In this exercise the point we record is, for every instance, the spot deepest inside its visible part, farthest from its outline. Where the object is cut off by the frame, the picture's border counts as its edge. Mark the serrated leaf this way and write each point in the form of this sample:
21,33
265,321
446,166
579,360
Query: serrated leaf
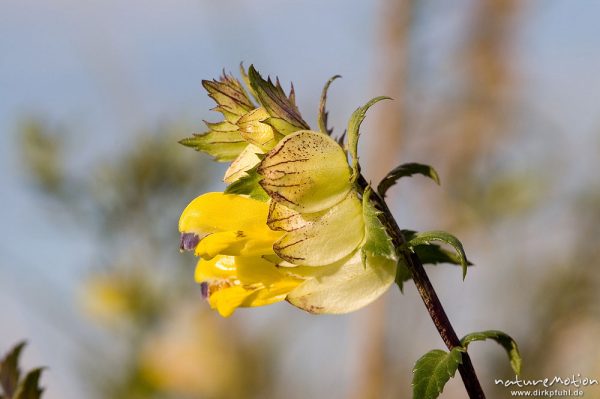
406,170
9,370
353,131
229,94
274,100
377,241
249,185
433,253
402,273
322,111
433,370
428,254
505,340
29,388
426,238
223,145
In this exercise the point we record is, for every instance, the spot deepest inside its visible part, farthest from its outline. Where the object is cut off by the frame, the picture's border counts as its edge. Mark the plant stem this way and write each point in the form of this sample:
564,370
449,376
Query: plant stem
428,294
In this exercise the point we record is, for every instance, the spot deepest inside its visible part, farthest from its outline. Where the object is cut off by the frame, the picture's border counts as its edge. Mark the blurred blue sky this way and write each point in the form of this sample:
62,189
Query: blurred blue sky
111,68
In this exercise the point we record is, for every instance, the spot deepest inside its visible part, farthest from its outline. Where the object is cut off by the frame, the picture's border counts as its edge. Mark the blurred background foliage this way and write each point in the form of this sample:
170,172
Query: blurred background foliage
501,96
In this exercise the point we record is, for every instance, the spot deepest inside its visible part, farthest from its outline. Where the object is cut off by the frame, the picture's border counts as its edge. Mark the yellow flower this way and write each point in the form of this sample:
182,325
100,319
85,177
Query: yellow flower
303,245
218,223
296,227
230,233
229,282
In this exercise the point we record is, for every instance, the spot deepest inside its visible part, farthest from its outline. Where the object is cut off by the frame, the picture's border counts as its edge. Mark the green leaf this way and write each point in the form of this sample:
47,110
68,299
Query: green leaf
9,370
29,387
249,185
509,345
433,370
353,131
429,254
377,240
425,238
433,253
406,170
322,111
274,100
402,273
224,145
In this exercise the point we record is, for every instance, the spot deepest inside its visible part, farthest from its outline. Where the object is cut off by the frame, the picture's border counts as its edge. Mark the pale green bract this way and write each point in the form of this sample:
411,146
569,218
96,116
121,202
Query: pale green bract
247,159
306,171
320,238
344,286
223,141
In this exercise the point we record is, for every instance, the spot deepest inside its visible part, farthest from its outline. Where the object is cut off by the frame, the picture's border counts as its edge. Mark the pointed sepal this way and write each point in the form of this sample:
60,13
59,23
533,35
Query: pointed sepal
223,142
322,107
280,106
230,96
353,132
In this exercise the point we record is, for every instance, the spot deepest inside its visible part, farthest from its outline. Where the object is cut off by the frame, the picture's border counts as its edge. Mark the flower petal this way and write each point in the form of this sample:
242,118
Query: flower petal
229,224
306,171
243,282
342,287
233,243
321,238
